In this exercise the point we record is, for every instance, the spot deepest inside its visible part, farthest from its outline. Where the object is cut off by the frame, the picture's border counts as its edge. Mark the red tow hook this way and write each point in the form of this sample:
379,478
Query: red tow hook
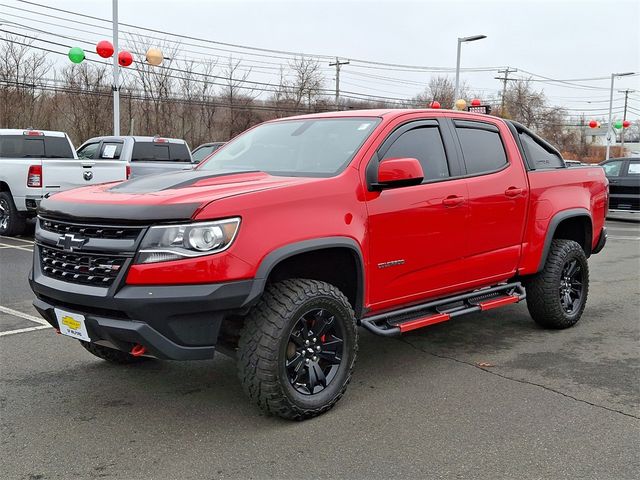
138,350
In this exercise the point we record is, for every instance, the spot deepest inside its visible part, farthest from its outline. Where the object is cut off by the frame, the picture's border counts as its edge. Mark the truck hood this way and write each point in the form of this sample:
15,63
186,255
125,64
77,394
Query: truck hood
169,196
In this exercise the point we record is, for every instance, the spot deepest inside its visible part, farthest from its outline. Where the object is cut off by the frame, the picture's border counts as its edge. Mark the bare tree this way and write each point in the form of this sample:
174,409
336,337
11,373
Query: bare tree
22,76
237,98
306,85
441,89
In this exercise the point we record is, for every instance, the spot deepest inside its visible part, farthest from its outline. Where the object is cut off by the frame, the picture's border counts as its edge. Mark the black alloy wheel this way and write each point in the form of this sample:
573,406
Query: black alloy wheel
314,352
571,286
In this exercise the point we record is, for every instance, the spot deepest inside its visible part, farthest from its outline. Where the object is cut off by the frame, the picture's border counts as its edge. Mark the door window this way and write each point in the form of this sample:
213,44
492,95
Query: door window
634,167
111,150
425,145
612,169
482,148
89,151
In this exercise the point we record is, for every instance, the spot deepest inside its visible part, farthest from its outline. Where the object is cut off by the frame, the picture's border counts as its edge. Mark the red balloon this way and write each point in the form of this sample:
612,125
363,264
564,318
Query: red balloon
476,102
125,58
104,48
434,104
593,124
626,124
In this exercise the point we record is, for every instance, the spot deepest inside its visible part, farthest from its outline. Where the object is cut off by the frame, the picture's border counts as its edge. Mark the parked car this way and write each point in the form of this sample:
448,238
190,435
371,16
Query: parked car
144,155
301,229
204,150
624,184
35,163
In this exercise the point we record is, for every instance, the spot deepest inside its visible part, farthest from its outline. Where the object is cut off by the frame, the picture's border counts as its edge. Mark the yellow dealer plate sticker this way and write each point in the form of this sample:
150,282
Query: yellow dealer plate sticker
72,325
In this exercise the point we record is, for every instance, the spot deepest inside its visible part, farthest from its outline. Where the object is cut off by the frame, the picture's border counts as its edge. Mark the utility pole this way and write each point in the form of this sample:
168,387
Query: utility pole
504,80
338,64
116,71
624,115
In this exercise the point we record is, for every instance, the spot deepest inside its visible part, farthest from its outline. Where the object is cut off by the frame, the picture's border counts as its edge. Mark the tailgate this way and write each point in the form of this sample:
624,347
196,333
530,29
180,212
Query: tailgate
62,174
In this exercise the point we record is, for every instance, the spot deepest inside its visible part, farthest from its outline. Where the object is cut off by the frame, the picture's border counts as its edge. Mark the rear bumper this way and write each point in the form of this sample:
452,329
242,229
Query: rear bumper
173,322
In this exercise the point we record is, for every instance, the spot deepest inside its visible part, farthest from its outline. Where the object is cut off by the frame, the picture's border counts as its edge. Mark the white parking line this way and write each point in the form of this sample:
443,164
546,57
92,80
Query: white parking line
24,330
616,237
30,242
16,247
26,316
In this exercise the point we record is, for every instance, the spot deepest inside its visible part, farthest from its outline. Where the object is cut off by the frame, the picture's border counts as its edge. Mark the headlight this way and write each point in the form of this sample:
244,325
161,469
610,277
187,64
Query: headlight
173,242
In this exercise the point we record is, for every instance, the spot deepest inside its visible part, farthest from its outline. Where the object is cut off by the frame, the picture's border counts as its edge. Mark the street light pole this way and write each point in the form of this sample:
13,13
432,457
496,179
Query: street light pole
116,72
462,40
609,126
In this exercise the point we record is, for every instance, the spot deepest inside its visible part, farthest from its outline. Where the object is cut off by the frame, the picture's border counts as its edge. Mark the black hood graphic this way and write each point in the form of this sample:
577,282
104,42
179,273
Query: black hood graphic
168,181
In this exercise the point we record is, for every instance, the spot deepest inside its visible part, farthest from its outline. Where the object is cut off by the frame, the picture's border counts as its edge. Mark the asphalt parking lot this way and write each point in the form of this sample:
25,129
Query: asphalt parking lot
489,396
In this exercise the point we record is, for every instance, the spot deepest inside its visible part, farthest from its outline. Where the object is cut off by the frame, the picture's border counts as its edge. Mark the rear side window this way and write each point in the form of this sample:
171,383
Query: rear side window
425,145
538,155
481,147
634,167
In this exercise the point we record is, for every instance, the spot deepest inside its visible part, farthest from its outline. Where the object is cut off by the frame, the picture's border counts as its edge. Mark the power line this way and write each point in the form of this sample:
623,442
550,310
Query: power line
258,86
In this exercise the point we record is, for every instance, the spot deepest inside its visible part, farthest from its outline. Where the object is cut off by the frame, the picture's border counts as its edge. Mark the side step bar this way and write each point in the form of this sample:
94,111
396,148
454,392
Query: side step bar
396,322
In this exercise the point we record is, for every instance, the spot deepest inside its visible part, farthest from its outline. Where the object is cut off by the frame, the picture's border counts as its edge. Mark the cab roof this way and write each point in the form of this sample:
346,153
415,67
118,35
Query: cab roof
379,113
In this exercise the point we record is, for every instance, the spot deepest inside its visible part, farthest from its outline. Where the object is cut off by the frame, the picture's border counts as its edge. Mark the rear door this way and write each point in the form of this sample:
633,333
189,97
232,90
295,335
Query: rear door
498,199
159,156
61,169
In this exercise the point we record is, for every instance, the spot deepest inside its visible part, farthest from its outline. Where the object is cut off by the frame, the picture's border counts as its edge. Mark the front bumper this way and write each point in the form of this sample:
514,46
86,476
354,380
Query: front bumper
173,322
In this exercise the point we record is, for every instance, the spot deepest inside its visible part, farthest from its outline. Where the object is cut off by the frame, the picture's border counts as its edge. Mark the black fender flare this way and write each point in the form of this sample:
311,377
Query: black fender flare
553,226
282,253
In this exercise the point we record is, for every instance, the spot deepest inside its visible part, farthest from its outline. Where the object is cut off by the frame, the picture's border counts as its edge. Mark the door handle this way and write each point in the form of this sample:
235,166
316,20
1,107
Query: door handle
453,201
513,192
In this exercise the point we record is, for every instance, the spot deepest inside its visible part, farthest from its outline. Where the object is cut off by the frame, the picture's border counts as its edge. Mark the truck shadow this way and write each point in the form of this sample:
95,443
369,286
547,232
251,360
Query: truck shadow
179,393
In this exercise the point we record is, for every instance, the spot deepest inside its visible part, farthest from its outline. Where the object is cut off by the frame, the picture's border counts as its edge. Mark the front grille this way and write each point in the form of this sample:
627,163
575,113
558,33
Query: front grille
84,268
90,231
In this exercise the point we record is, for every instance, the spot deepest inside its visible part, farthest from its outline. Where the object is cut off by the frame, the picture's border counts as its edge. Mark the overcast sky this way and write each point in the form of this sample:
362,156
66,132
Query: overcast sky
557,39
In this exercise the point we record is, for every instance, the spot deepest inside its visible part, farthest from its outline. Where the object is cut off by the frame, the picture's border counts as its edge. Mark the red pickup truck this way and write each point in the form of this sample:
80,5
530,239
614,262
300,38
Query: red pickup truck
302,229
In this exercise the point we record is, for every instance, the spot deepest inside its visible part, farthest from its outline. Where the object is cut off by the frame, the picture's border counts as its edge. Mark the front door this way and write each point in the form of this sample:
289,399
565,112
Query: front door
417,233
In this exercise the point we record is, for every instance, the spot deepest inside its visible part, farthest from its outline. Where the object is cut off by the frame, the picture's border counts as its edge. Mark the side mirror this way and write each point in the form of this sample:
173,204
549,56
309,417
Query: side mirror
399,172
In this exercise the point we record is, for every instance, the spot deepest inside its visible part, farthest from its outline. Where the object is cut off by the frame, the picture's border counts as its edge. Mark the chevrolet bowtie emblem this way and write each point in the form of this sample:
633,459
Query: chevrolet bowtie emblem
69,242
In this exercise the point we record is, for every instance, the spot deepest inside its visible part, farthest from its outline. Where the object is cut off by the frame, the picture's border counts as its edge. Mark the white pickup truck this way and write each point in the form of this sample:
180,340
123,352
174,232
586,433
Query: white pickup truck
37,163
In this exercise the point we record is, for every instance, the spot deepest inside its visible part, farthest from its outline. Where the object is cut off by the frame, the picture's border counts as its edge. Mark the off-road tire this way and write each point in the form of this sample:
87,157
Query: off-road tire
543,297
111,354
15,222
262,349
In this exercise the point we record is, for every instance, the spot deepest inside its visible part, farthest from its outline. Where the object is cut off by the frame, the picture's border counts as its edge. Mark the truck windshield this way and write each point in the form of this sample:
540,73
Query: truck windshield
301,148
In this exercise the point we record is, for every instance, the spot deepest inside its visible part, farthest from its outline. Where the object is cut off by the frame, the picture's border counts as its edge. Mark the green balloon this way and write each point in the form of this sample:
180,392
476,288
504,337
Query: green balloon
618,124
76,55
